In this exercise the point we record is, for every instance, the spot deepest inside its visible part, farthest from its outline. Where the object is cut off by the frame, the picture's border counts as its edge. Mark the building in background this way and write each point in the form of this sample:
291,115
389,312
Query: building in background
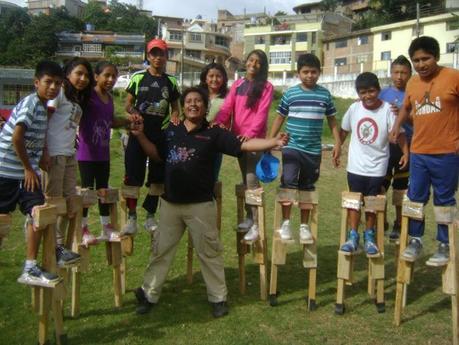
6,6
74,7
15,84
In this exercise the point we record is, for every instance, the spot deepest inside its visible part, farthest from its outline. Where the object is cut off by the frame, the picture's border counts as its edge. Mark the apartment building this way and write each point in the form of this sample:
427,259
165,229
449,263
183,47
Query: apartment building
74,7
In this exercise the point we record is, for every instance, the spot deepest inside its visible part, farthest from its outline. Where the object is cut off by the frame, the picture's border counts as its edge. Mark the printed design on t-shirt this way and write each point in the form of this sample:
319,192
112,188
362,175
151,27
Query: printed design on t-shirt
101,133
427,106
367,131
33,144
179,154
75,117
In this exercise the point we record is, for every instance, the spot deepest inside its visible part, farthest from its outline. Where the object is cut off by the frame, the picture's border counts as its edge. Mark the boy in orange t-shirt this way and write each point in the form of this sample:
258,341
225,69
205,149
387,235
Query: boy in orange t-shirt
432,100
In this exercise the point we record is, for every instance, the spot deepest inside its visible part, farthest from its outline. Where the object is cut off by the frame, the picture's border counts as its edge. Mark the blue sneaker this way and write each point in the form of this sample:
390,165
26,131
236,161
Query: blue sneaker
352,243
369,240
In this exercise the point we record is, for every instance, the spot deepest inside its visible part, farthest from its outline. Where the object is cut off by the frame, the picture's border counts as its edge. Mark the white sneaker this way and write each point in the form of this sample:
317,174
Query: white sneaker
87,238
130,228
150,224
252,234
108,234
305,233
246,224
285,231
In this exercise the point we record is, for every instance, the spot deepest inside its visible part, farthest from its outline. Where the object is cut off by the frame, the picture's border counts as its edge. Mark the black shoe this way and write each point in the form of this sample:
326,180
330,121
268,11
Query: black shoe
65,256
219,309
143,306
395,234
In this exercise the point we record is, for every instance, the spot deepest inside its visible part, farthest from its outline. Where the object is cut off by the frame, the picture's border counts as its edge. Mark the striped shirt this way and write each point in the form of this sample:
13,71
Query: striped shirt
305,111
31,112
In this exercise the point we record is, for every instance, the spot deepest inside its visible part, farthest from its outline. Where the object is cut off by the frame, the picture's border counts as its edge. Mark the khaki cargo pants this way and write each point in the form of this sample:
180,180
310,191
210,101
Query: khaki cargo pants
201,221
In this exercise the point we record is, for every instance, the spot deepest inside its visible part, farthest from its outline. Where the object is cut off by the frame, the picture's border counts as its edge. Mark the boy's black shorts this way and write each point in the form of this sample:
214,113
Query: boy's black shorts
367,185
300,170
398,176
12,193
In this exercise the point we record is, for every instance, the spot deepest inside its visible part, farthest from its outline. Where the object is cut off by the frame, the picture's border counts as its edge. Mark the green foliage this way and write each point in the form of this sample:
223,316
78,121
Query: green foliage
280,13
329,5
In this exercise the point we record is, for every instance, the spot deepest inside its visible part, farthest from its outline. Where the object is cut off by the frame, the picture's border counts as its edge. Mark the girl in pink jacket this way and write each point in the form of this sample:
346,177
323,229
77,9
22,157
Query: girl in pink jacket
246,110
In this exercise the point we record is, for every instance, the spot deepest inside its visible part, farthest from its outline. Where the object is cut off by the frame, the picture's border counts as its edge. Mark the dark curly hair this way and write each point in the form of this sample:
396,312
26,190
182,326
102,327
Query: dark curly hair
219,67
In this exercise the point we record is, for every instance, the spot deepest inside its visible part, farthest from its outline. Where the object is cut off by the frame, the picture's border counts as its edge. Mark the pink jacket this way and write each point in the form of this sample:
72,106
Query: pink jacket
251,123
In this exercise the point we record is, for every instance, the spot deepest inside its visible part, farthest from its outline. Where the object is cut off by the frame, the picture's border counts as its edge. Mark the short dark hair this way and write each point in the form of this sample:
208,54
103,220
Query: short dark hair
203,92
366,80
401,60
47,67
309,60
428,44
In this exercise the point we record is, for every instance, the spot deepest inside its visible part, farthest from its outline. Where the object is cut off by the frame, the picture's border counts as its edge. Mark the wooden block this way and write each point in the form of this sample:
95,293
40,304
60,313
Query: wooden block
156,189
258,252
345,266
59,202
308,197
132,192
108,252
50,285
309,256
127,245
74,205
413,209
445,214
376,268
239,190
43,216
84,261
59,291
116,253
89,196
351,200
375,204
254,197
279,252
449,277
108,195
5,224
287,195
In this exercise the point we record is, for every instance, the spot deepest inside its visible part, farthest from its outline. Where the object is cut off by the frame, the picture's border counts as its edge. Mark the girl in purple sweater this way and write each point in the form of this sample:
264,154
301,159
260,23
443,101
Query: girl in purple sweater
93,152
246,109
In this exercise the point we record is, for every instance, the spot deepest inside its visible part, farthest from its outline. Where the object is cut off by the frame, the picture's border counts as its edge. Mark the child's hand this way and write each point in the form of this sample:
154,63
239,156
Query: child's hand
175,120
394,109
281,140
136,128
403,162
242,138
336,154
393,135
135,117
31,181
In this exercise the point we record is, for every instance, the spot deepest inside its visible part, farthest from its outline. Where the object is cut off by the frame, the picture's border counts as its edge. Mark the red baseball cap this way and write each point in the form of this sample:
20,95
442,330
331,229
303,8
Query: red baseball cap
156,43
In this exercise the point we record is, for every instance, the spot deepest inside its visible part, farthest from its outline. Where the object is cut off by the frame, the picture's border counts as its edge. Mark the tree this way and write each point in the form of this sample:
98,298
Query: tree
329,5
280,13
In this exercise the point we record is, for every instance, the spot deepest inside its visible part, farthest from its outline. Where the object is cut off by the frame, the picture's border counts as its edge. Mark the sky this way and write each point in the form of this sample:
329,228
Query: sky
208,8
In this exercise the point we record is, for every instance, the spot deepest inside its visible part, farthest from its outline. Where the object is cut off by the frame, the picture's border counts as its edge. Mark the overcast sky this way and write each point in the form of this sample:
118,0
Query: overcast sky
208,8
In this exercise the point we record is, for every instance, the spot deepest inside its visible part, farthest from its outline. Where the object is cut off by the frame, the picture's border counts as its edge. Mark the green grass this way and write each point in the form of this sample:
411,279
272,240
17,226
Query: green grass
183,315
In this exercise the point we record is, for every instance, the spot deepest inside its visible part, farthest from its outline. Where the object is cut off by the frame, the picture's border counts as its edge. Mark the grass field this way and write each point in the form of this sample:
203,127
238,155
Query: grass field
183,315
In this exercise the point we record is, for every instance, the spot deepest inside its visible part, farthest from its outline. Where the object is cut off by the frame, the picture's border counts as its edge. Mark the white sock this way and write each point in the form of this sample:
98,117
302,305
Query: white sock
30,263
84,222
104,220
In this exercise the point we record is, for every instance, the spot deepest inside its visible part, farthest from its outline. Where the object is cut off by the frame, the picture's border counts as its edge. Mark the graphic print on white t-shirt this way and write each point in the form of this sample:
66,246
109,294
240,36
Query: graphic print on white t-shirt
367,131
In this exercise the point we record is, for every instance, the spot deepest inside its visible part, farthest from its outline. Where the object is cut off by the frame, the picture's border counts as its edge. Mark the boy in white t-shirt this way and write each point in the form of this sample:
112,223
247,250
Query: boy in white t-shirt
370,121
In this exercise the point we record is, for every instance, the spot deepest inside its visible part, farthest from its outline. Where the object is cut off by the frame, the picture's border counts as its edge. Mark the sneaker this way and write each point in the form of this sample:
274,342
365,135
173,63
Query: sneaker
219,309
369,242
305,233
35,274
143,306
65,256
130,228
285,231
108,233
150,224
352,243
246,224
413,250
441,257
395,234
252,234
87,238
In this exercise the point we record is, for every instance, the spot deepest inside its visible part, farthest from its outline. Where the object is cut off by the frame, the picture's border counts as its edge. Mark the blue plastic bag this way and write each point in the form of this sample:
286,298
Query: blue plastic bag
267,168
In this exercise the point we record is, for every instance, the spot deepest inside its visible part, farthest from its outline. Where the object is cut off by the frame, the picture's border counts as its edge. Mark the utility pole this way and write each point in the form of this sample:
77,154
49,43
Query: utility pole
418,15
182,58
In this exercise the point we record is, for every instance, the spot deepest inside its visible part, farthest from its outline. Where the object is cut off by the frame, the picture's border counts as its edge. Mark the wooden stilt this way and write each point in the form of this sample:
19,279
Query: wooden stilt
242,248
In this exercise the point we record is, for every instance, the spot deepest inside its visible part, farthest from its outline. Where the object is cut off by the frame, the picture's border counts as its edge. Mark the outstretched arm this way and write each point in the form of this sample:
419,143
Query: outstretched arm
256,144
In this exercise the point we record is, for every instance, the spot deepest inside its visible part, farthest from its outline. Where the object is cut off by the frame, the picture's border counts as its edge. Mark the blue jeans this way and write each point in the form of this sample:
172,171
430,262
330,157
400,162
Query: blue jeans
441,171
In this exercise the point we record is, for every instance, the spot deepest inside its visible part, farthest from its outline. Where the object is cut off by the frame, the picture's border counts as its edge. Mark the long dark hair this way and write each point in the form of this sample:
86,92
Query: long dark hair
259,79
72,94
219,67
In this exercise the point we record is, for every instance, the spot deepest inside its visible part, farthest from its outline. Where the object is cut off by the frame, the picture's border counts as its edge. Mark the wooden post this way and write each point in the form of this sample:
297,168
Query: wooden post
242,248
278,254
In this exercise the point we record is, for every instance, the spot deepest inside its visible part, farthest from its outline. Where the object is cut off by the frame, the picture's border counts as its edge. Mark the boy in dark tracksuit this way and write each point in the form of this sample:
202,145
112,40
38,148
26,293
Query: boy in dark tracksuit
153,95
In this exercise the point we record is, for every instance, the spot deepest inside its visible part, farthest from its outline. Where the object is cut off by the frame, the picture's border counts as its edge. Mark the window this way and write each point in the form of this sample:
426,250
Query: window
340,61
195,54
452,25
260,40
386,35
280,58
362,58
92,47
195,37
313,38
280,39
221,41
341,43
361,40
175,35
301,36
452,47
385,55
12,94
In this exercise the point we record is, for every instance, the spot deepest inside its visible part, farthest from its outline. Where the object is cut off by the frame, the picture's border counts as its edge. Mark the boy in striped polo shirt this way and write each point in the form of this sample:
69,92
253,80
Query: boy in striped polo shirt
304,106
22,142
